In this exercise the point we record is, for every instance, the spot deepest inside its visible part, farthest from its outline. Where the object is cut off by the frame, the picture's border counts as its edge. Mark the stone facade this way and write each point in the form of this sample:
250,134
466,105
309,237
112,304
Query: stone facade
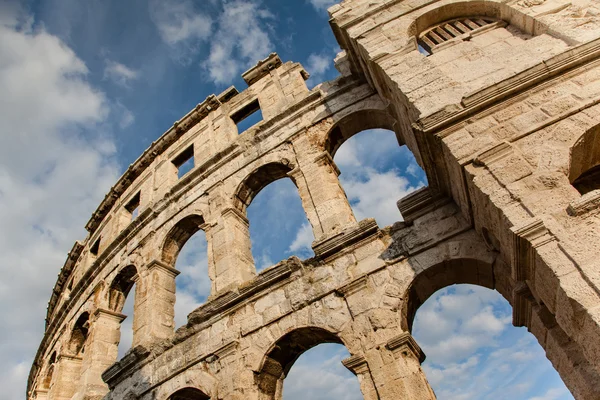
499,103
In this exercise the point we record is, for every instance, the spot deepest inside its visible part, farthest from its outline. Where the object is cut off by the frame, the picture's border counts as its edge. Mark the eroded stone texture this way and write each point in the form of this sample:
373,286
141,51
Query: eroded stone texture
497,100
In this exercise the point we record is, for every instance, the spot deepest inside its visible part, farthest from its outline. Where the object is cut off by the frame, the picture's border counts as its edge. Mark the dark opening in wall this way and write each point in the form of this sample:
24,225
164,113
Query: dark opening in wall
588,181
95,247
133,206
184,161
248,116
454,30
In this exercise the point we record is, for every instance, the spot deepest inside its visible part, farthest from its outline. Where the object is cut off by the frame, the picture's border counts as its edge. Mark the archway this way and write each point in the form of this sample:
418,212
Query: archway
319,374
474,351
185,249
79,335
188,393
120,301
278,223
376,172
282,356
487,275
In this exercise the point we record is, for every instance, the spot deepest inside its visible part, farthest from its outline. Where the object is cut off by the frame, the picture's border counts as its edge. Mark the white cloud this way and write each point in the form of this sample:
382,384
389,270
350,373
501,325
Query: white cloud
303,241
55,166
243,40
374,194
321,5
473,353
120,74
177,21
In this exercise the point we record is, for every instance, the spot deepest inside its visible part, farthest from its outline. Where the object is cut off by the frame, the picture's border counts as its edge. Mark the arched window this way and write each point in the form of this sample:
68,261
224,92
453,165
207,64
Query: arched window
185,249
188,394
474,351
79,335
319,374
454,30
121,298
193,282
47,381
278,224
283,355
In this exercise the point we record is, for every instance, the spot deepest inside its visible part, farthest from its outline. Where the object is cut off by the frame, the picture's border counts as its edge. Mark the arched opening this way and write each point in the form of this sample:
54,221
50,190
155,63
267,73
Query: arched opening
278,224
47,381
376,172
319,374
185,249
192,285
79,335
474,351
465,329
120,301
584,168
188,393
283,355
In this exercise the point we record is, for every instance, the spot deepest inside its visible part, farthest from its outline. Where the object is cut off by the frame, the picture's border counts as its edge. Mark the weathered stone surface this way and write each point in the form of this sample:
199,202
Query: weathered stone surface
502,116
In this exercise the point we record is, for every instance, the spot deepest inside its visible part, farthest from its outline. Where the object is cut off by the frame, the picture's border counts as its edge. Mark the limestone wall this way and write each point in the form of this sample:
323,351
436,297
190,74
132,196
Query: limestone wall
502,116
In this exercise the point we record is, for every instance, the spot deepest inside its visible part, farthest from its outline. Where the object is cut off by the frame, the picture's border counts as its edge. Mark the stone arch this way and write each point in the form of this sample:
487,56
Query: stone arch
282,354
49,372
356,122
188,393
584,161
493,9
120,287
436,277
195,383
178,235
258,179
79,335
578,374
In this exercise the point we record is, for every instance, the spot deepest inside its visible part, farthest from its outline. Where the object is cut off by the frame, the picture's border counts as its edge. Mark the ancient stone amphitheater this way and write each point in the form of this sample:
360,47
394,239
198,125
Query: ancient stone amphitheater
497,100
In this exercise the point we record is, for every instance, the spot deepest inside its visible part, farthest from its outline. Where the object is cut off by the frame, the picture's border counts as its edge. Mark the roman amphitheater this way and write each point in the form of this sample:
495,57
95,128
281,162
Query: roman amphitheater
498,101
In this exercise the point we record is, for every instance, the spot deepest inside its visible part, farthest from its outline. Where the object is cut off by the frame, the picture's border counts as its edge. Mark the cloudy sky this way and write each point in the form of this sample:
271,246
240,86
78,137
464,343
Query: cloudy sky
85,87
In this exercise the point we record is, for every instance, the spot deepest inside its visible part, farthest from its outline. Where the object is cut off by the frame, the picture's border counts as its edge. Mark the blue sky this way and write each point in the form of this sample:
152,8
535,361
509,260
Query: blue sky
85,87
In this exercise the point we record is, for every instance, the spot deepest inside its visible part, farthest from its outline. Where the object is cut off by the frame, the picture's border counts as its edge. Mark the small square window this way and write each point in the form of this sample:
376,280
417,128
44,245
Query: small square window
133,207
95,247
184,161
248,116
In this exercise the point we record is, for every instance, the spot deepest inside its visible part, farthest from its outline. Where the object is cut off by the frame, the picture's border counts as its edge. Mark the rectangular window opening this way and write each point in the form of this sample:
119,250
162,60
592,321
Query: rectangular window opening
133,207
184,161
95,248
248,116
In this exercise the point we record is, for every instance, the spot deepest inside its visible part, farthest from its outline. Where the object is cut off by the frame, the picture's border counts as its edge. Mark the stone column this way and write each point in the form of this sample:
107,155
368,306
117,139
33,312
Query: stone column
230,261
330,202
101,352
358,366
396,370
66,377
154,315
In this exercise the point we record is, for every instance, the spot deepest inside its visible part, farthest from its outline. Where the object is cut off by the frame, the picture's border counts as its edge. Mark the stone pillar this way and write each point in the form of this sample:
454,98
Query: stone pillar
330,202
396,370
230,261
154,315
66,377
358,366
101,352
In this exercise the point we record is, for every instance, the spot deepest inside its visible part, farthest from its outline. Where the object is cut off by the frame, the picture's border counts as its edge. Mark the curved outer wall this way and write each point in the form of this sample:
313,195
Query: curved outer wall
499,117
